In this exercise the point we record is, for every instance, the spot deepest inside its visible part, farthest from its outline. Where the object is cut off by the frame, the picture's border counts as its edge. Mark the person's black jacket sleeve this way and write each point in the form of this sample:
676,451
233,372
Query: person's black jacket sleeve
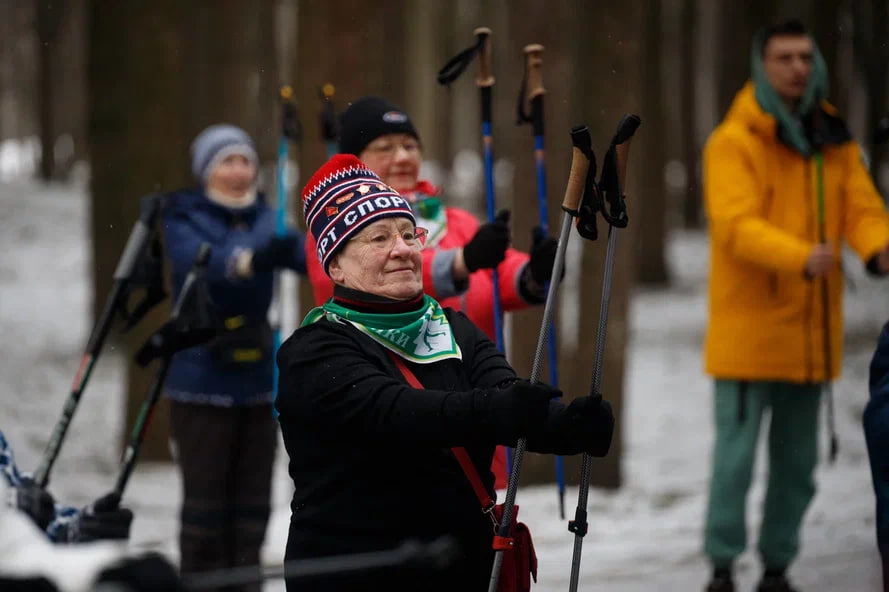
334,376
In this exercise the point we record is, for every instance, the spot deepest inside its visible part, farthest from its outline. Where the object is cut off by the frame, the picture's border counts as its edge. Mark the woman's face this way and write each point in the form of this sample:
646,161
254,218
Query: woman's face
233,177
383,259
395,158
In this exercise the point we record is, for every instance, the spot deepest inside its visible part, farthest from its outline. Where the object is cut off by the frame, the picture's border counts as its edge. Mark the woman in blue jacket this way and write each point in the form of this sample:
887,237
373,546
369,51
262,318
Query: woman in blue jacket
222,393
876,432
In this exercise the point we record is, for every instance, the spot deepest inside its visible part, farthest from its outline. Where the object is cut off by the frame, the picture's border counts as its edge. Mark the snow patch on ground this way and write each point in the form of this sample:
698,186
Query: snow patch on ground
646,536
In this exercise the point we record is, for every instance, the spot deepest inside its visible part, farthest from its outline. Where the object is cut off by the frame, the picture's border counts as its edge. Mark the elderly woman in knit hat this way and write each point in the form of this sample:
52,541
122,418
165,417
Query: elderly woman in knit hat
222,393
460,254
382,388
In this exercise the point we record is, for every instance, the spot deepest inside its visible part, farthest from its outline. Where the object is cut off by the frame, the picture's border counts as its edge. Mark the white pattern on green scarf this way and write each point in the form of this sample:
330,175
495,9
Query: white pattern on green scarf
423,336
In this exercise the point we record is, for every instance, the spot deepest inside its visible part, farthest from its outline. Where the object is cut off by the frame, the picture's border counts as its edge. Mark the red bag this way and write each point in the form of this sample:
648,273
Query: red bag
519,558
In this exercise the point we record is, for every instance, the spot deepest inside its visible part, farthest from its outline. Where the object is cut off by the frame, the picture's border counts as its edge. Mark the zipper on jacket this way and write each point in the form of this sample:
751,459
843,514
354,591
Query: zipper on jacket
808,312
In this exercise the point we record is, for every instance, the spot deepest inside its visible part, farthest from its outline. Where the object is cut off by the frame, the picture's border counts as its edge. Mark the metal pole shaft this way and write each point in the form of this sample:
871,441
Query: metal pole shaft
548,313
586,464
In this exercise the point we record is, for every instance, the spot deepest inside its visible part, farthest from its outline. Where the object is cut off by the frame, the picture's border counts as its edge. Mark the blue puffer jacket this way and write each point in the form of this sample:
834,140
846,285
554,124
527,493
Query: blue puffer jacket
876,432
190,218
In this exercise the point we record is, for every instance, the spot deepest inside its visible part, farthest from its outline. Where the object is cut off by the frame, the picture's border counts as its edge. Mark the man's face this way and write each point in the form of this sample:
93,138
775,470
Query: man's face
787,60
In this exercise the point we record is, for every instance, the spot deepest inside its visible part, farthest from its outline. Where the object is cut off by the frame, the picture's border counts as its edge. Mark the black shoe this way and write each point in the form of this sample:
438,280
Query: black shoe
721,581
771,583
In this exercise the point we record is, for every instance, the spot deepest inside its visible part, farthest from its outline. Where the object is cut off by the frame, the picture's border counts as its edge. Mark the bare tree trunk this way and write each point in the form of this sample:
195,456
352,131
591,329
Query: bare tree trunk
738,22
691,201
610,73
361,54
138,144
650,197
872,56
49,18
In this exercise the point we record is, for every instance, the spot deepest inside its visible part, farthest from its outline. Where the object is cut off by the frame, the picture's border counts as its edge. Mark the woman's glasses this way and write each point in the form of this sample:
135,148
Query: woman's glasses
387,147
384,239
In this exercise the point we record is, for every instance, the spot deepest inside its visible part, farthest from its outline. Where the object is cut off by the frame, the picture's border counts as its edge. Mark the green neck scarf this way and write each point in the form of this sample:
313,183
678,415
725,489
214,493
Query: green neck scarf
790,126
423,336
433,217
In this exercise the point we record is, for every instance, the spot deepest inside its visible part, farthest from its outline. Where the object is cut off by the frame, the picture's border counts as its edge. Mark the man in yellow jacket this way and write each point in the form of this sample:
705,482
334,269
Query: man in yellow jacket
784,185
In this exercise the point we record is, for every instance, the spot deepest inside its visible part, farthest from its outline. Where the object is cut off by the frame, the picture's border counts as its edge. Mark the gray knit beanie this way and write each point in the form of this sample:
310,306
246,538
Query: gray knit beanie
215,144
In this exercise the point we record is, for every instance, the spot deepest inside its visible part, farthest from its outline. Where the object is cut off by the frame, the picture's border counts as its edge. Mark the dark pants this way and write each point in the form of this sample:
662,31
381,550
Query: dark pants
226,456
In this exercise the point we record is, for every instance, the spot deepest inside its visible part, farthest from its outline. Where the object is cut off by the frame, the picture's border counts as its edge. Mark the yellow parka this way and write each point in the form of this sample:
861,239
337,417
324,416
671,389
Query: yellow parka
765,317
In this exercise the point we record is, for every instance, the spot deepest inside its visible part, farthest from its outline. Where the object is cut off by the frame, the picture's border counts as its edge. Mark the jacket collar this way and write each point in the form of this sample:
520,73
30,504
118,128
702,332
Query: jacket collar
829,128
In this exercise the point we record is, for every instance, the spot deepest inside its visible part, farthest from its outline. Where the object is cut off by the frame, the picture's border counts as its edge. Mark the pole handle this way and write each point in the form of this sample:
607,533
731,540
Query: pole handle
534,70
622,140
485,78
580,164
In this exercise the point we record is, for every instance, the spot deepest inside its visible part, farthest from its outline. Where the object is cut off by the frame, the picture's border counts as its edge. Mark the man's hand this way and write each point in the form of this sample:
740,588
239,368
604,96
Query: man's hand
821,260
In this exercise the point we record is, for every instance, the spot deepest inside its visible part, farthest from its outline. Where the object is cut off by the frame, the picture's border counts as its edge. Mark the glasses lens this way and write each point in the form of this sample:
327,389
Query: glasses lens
420,234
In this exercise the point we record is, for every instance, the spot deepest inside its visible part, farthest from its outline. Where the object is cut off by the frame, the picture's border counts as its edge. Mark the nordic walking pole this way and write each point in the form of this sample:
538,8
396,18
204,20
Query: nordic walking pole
485,81
290,132
190,324
329,127
532,91
825,300
612,183
437,555
133,252
580,163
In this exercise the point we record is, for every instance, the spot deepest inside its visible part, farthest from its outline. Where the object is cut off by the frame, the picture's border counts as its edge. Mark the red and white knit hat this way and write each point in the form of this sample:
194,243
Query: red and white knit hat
341,198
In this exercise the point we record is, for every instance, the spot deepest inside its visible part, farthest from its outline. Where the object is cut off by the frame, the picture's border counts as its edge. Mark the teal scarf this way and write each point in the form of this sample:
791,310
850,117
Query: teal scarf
790,124
423,336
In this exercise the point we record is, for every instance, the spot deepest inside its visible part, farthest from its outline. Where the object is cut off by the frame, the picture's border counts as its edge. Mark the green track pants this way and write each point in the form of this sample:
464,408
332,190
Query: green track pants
792,454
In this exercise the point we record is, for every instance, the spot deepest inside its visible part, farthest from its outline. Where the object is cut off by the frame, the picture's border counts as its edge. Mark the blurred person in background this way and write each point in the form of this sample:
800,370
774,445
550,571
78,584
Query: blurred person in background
765,341
876,433
31,521
459,255
222,392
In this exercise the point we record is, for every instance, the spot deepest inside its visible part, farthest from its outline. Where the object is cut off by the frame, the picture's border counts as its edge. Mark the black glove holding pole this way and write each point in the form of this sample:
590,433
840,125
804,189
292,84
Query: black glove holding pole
104,519
36,502
586,425
516,411
487,248
543,256
278,251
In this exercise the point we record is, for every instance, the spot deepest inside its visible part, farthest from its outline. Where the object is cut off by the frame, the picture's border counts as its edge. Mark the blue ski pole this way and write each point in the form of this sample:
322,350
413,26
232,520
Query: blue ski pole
485,82
532,91
290,132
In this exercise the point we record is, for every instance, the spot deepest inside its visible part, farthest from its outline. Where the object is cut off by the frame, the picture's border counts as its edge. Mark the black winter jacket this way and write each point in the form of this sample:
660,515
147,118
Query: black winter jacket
370,456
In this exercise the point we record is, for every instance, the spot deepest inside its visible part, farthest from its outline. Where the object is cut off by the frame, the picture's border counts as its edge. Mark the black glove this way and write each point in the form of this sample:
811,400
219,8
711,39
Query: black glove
516,411
488,247
103,519
543,256
36,502
277,252
148,572
585,425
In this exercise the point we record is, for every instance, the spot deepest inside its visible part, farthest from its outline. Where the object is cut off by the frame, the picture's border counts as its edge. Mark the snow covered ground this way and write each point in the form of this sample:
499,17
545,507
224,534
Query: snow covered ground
644,537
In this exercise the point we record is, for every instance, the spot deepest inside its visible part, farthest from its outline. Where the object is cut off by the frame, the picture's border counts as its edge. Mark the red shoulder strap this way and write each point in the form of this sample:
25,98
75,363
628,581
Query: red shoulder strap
462,456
